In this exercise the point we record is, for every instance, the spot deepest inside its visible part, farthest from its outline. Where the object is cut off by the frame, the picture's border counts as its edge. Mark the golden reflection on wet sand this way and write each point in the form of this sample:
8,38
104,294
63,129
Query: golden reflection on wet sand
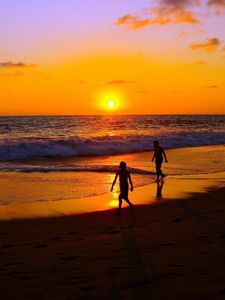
173,188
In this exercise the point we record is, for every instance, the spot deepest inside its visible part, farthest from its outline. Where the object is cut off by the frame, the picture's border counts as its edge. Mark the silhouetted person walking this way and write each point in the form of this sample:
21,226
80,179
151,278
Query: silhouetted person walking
124,177
158,156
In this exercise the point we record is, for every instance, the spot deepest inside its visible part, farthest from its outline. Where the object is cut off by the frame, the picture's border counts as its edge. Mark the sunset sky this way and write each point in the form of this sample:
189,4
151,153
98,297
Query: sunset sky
73,56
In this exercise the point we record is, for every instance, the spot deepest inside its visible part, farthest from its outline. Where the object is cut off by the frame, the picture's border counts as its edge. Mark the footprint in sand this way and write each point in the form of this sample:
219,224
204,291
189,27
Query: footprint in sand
214,211
87,288
73,232
113,232
26,244
98,258
6,246
38,246
117,250
177,220
177,265
168,244
13,264
13,273
68,258
170,275
56,238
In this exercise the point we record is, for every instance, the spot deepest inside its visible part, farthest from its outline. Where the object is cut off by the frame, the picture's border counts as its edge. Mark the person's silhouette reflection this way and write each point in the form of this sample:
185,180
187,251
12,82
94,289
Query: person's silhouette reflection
159,188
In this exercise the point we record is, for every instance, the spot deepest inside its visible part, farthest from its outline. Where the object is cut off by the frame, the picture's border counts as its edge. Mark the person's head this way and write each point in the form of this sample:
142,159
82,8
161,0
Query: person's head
156,143
123,165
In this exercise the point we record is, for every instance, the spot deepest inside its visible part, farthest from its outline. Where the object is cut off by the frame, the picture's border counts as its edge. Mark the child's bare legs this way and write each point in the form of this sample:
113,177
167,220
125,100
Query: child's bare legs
120,204
159,170
130,204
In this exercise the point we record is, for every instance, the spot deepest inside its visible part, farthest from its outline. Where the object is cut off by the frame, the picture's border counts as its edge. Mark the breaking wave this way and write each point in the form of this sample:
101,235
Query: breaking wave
36,148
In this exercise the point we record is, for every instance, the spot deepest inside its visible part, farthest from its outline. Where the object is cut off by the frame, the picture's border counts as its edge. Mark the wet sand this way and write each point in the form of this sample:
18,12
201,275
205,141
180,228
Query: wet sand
174,187
171,247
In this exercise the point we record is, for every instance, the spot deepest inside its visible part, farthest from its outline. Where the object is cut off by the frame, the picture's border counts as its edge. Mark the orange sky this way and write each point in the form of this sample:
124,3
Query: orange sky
144,60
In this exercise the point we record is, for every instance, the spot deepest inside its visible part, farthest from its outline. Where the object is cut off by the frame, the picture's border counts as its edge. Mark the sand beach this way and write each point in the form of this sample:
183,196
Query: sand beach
170,247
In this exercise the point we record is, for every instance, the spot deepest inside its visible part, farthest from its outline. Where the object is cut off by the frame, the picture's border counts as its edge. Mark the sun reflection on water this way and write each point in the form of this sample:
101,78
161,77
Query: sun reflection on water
115,194
114,201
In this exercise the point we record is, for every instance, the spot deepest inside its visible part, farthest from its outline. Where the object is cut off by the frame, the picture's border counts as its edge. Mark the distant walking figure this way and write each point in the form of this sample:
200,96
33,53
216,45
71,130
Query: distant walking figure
158,155
124,177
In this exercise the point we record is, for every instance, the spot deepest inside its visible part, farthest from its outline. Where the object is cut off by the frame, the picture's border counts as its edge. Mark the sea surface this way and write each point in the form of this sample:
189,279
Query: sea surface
84,152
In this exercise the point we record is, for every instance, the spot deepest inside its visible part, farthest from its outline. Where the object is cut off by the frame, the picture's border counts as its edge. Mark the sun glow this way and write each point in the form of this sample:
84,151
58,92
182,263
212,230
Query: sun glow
110,101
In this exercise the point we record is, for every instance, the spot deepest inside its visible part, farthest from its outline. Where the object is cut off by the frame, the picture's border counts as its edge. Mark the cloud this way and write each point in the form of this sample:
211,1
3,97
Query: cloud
120,81
141,91
126,19
14,74
220,3
76,81
18,74
10,64
209,45
133,21
167,12
213,86
200,62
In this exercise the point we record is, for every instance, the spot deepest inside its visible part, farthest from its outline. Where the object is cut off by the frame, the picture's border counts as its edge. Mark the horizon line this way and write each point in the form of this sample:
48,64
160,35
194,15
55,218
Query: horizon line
74,115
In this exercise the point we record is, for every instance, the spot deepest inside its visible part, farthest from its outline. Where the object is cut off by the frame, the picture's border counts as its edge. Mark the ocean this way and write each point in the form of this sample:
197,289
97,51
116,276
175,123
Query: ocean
80,154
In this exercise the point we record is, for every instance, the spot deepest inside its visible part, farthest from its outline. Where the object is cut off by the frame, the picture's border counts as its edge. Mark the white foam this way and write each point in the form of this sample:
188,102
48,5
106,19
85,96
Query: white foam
32,148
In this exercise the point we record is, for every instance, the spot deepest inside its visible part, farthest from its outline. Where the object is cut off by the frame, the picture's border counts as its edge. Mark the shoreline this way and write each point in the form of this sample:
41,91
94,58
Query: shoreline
173,187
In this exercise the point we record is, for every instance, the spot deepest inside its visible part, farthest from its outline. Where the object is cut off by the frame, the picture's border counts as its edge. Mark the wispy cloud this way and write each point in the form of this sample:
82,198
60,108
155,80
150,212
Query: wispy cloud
200,62
76,81
141,91
14,74
213,86
220,3
209,45
119,81
167,12
18,74
10,64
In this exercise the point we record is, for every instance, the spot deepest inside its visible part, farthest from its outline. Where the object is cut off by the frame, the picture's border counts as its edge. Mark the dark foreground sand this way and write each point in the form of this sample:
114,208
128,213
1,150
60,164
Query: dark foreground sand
168,250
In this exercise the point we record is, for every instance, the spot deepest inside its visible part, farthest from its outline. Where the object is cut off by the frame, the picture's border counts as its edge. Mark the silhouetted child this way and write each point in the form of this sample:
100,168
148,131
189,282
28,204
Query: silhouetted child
158,155
124,177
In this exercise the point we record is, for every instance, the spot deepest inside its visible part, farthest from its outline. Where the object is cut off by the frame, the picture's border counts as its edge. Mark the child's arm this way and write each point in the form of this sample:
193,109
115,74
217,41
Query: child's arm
153,157
131,183
114,181
164,154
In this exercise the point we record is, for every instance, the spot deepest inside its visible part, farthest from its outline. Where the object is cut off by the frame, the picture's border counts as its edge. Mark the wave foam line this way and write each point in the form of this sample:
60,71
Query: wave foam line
32,148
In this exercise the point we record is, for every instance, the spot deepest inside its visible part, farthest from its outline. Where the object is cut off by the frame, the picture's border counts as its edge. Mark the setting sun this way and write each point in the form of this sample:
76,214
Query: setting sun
111,103
110,100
